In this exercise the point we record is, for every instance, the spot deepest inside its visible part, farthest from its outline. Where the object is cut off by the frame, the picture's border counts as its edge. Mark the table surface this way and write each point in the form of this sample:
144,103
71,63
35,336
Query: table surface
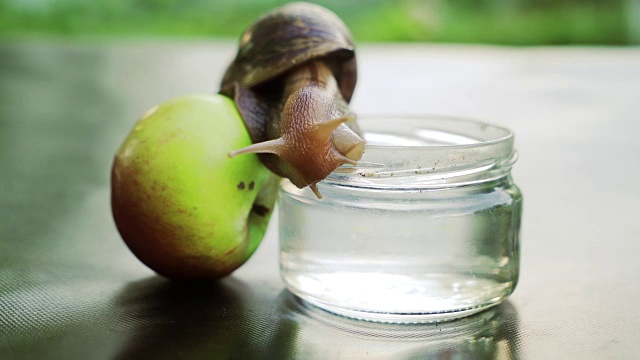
69,287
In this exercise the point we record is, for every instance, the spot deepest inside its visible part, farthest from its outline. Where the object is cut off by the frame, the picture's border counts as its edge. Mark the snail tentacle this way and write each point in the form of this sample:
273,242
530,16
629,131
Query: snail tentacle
276,146
314,188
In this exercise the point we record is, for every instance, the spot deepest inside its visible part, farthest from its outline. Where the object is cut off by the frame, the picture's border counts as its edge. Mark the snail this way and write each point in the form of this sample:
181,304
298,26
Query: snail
292,79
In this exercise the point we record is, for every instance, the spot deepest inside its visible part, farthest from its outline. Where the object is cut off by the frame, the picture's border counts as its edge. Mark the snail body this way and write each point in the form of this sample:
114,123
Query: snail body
292,79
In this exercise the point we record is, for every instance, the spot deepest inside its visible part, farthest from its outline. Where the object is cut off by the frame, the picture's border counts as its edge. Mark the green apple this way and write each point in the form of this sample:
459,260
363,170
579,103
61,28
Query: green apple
182,206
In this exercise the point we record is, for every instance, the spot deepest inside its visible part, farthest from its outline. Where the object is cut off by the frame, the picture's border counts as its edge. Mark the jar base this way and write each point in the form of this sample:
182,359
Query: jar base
399,318
408,296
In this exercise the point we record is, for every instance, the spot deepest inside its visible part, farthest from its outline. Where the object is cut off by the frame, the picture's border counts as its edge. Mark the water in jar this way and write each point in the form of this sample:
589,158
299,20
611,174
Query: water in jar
419,255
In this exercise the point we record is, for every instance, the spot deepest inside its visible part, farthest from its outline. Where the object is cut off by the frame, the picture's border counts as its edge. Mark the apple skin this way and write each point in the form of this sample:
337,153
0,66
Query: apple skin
182,206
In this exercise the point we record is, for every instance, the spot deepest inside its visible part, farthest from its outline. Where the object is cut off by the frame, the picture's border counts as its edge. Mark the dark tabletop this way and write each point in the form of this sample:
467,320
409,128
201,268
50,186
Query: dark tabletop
69,287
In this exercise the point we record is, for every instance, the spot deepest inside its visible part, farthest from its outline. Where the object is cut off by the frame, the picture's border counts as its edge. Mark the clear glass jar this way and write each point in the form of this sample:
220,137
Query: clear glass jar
424,228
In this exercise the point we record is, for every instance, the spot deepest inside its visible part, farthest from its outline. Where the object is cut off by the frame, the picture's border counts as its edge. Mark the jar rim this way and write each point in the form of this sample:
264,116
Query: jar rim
507,134
427,151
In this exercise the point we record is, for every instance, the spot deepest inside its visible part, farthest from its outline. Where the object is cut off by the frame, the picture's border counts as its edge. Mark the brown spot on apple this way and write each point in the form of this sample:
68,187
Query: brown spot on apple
260,209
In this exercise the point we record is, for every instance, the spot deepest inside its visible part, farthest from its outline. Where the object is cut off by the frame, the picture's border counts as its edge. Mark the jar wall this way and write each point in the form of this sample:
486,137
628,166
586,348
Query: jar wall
382,254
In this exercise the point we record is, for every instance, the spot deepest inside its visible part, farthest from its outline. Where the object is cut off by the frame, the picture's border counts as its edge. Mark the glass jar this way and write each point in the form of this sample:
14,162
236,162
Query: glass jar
424,228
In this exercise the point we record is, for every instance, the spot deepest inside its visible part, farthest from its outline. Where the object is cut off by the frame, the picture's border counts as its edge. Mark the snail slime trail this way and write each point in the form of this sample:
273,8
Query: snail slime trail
292,80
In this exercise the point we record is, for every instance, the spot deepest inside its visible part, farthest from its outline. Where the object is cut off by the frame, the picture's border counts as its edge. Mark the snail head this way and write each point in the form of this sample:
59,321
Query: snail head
313,142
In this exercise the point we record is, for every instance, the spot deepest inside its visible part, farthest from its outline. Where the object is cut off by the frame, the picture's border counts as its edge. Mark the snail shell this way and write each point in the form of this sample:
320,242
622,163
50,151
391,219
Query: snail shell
292,79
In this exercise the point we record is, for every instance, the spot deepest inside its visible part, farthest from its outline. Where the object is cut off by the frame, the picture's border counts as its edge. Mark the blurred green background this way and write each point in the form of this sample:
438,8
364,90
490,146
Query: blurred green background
516,22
